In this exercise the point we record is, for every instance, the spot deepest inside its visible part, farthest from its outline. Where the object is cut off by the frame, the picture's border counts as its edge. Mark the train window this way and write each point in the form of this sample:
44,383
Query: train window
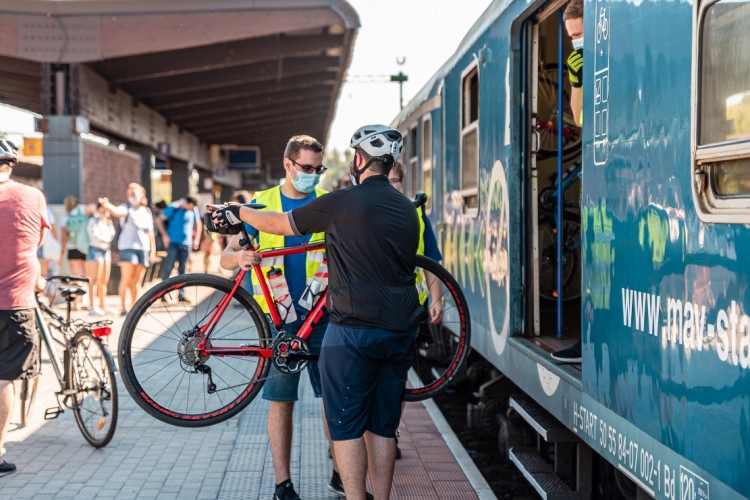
470,141
722,154
427,161
413,165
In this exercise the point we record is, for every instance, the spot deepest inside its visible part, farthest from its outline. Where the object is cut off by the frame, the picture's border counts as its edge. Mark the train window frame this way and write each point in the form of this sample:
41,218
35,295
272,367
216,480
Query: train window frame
466,129
427,162
711,206
413,164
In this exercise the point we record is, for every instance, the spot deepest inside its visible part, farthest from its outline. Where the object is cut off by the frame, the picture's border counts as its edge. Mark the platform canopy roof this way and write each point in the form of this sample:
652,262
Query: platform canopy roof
246,72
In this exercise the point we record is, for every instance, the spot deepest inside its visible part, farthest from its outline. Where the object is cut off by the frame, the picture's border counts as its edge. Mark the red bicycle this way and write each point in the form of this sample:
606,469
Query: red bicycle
200,360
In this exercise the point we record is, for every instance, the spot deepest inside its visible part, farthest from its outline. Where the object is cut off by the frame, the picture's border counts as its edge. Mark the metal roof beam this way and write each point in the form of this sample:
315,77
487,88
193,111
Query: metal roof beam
237,76
241,93
259,134
306,116
292,106
209,57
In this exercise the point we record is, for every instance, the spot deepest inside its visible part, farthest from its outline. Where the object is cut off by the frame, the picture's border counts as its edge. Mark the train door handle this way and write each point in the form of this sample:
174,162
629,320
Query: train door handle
538,145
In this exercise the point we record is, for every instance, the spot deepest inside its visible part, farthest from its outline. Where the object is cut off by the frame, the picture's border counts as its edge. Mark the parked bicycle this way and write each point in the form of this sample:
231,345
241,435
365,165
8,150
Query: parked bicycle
548,227
86,372
201,362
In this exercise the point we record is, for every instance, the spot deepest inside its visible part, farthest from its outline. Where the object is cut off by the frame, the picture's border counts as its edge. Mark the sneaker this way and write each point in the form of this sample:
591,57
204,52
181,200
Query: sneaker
124,313
95,311
285,491
337,486
180,298
569,355
7,468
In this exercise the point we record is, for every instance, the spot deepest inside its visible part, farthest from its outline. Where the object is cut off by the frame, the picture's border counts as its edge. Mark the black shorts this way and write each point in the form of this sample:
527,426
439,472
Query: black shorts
363,373
75,254
19,345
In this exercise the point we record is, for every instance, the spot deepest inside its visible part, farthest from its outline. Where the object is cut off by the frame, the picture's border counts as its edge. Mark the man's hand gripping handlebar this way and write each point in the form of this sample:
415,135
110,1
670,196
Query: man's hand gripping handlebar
225,219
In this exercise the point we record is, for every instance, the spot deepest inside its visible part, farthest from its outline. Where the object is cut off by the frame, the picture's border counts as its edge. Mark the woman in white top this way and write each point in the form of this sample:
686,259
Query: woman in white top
136,243
101,232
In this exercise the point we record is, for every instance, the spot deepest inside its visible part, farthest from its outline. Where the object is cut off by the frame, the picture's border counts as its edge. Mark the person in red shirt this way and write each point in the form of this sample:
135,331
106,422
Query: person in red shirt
23,221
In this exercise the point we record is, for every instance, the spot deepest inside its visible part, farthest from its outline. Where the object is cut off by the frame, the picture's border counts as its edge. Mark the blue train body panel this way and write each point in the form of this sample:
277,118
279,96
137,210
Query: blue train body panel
664,390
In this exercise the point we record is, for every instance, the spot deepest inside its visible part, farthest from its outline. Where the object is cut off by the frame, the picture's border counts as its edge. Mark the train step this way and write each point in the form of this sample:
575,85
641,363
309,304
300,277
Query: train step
548,427
542,476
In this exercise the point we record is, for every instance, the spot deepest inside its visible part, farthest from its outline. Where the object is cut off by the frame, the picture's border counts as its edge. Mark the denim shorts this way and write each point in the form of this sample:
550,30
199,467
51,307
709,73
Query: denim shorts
283,388
134,256
99,255
364,372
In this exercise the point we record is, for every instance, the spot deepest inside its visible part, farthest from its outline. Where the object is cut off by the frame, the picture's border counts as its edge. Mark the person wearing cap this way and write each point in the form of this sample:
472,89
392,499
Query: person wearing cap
372,236
23,222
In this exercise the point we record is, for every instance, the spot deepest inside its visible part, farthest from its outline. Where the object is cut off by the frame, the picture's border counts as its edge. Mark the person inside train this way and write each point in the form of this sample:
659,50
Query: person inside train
573,18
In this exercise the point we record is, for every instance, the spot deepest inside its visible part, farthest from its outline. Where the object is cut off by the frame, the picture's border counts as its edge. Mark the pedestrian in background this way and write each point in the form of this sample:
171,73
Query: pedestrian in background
101,232
74,242
177,225
23,220
136,243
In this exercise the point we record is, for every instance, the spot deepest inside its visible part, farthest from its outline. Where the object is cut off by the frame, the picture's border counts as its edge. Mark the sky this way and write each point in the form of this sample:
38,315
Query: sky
424,32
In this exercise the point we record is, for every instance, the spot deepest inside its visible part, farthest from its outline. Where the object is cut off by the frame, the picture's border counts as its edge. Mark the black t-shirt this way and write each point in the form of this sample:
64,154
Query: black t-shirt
372,234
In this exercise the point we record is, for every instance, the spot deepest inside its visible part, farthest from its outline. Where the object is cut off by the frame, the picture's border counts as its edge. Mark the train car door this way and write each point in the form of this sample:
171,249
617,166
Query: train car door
545,42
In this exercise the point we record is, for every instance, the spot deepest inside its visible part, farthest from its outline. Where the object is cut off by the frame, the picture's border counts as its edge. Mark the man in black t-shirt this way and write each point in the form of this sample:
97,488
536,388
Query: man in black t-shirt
372,235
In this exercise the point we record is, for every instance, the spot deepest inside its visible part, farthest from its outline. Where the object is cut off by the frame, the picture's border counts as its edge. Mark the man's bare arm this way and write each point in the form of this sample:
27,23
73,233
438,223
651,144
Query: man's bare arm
267,222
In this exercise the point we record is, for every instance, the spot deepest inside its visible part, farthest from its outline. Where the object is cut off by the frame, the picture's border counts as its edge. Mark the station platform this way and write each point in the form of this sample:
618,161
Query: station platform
149,459
429,468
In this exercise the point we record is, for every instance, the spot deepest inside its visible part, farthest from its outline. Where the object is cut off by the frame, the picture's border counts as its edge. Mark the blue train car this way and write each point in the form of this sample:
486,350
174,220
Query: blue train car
654,276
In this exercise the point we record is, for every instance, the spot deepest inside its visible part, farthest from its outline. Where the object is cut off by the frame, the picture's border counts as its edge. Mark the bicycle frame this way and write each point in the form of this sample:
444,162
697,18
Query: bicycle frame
48,338
307,327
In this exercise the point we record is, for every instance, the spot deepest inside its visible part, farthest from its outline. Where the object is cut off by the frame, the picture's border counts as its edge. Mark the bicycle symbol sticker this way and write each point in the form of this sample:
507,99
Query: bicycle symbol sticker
601,83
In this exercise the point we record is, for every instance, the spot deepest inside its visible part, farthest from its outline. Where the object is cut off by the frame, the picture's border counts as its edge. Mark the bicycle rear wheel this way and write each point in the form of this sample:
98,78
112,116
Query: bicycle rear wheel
161,364
571,259
93,377
442,346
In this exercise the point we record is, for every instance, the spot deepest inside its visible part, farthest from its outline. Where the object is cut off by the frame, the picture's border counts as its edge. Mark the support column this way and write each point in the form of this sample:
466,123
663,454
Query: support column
180,178
62,171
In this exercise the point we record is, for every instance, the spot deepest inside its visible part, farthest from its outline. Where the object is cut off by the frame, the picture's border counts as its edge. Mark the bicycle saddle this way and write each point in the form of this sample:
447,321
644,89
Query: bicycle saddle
70,293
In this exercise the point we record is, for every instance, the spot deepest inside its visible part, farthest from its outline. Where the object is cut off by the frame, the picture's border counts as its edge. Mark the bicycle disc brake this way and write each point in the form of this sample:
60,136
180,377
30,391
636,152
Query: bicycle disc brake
289,354
189,353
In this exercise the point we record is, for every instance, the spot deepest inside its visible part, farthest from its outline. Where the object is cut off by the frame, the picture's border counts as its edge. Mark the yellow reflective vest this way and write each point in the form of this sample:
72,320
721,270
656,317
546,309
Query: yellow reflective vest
421,282
272,199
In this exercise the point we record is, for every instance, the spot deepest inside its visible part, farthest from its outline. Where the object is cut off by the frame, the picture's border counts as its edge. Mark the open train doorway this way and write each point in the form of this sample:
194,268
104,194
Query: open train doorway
554,157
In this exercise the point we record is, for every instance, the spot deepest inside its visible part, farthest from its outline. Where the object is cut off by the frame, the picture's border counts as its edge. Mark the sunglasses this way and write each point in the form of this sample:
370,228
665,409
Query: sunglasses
309,169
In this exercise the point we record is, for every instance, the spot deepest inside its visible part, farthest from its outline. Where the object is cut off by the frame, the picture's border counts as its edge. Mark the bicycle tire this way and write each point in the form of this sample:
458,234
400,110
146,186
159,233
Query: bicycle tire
28,395
571,260
134,378
93,413
459,342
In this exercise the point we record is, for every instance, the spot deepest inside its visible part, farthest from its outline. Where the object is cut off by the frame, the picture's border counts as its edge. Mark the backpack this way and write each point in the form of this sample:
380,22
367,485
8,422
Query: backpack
76,226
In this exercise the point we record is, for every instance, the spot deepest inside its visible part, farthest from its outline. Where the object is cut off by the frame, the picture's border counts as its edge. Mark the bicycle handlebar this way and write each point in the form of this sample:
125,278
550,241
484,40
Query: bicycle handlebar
419,199
68,279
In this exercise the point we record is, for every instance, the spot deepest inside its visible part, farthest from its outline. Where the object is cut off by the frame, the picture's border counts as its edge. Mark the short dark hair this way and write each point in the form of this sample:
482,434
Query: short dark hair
574,10
299,142
192,199
161,204
380,166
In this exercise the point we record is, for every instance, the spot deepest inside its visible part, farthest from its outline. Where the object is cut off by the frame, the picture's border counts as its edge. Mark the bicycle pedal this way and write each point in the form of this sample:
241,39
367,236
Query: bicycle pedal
52,413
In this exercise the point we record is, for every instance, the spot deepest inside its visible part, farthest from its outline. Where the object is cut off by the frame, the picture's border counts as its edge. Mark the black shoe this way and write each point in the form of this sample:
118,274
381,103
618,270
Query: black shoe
8,468
285,491
181,298
336,486
569,355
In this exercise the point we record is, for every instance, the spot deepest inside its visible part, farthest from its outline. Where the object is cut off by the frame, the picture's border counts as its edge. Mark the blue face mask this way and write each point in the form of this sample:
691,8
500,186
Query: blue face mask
578,43
305,183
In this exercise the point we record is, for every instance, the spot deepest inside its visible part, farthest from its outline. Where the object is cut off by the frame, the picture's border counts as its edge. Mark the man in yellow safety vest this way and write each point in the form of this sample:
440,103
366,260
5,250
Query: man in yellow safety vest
303,160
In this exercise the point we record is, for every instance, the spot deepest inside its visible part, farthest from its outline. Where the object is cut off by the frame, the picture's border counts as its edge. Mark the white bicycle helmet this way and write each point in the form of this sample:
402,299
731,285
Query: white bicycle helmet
8,153
378,141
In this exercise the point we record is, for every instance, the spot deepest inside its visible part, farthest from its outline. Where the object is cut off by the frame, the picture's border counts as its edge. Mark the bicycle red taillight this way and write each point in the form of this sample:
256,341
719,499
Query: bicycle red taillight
101,331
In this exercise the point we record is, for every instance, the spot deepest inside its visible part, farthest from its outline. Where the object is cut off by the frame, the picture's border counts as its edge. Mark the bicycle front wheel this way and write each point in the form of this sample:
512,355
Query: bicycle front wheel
93,377
161,361
444,337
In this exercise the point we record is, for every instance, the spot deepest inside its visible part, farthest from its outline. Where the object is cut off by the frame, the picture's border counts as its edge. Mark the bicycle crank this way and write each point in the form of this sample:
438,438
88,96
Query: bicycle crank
290,354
